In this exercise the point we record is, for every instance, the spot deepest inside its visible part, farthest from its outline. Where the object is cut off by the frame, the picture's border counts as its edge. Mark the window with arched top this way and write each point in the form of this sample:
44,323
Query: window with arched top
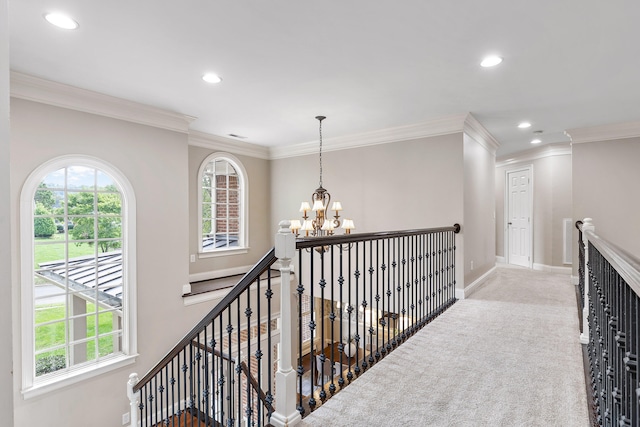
222,206
78,272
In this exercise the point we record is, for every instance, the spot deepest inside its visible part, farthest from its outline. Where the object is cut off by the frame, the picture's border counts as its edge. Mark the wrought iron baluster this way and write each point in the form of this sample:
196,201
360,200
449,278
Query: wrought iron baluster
332,319
300,370
322,284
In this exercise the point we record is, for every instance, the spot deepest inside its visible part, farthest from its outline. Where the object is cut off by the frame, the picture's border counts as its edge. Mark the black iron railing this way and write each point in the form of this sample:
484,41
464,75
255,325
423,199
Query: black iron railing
221,372
371,290
361,296
581,281
614,335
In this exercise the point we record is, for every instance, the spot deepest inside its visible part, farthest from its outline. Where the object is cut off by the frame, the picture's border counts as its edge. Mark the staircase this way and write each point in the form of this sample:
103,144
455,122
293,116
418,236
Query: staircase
242,364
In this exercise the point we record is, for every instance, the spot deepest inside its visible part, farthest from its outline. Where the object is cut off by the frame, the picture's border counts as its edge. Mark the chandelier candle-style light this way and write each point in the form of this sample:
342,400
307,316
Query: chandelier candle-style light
321,225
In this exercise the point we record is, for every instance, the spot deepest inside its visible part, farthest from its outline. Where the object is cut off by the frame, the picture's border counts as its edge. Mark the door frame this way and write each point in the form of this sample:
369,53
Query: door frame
505,226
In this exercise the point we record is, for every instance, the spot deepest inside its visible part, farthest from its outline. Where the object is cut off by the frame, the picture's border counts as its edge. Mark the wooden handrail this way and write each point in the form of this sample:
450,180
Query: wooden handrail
246,281
579,225
312,242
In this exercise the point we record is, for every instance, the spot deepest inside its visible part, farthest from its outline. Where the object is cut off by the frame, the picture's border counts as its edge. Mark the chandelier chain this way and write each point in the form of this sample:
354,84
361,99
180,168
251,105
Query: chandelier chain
320,152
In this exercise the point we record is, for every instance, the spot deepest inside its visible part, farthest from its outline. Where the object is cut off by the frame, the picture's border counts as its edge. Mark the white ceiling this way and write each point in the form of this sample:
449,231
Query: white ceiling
366,65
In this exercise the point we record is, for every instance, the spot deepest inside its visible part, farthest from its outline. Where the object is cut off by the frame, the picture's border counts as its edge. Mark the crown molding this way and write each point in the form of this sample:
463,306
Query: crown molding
550,150
441,126
219,143
480,134
604,132
32,88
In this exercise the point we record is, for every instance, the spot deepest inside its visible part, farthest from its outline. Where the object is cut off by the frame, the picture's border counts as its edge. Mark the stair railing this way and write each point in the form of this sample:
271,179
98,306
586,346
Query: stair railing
363,295
217,373
612,329
372,290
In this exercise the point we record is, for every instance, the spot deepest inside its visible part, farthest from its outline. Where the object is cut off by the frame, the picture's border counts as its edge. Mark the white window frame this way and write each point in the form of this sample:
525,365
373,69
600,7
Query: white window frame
32,386
243,185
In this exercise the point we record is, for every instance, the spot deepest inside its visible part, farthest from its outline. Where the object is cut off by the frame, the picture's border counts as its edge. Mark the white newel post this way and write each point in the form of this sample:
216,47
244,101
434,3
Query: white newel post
134,399
587,225
285,413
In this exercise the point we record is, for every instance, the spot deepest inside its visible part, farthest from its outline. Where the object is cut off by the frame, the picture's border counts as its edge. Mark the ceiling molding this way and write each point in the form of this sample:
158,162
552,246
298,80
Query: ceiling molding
604,132
480,134
32,88
219,143
441,126
550,150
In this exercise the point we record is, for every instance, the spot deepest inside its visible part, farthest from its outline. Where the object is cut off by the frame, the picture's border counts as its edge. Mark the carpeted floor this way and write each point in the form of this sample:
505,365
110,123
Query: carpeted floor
507,356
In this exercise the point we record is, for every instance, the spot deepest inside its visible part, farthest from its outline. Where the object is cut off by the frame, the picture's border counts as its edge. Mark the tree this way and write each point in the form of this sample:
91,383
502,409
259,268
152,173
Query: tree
45,197
105,211
43,226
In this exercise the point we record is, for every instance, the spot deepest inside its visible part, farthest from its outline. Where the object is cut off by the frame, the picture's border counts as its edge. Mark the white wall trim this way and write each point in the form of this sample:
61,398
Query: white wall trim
480,134
32,88
475,285
550,150
220,143
575,280
436,127
500,259
216,274
552,268
604,132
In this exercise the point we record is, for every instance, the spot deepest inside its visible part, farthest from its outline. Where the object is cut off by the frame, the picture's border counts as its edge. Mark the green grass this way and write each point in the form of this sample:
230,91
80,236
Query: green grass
51,335
56,251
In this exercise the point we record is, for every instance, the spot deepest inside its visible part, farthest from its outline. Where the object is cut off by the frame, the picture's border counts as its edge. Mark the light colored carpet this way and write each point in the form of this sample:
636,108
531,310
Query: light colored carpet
507,356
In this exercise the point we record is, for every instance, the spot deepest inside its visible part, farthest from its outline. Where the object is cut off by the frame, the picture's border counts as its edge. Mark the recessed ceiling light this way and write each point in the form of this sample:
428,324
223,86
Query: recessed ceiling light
61,20
491,61
211,78
524,125
536,141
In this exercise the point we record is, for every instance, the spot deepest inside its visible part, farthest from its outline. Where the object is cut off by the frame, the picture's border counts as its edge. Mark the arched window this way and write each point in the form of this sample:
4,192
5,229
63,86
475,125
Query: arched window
222,205
78,272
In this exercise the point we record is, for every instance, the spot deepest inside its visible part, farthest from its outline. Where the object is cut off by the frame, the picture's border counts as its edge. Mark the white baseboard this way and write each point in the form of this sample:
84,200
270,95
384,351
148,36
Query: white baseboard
464,293
552,268
500,259
575,280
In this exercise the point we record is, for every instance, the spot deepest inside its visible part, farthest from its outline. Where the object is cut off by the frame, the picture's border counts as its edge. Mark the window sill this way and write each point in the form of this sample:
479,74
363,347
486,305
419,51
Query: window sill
223,252
56,382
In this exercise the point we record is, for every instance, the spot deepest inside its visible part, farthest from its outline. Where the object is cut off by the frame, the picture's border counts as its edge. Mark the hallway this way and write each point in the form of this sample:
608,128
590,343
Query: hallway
507,356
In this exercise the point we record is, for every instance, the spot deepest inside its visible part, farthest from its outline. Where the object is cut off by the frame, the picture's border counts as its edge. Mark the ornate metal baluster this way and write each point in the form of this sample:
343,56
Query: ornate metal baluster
322,283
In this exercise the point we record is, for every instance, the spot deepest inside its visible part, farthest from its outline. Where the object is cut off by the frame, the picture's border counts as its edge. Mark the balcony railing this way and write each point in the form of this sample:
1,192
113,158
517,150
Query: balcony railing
353,299
611,329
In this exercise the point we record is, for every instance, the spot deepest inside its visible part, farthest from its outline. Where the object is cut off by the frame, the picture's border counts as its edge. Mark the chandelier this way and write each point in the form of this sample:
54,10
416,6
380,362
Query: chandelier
321,225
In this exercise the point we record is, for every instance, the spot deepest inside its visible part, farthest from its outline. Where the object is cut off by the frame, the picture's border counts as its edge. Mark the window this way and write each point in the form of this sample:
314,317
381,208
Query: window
223,206
78,272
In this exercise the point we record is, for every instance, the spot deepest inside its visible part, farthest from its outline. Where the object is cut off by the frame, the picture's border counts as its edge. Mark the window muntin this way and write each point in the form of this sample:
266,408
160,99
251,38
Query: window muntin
222,204
78,267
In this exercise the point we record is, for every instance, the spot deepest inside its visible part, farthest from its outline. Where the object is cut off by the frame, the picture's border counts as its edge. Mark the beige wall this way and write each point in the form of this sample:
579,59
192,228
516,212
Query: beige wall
398,186
155,162
479,222
6,368
260,237
605,188
404,185
552,183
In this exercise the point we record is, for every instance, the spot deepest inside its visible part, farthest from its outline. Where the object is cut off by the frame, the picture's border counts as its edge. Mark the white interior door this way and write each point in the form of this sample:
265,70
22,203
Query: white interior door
519,217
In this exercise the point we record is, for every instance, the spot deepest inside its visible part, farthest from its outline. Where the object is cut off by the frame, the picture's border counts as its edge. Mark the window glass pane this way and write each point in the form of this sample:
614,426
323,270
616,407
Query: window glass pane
81,177
50,312
105,182
54,179
81,203
109,204
84,351
109,344
220,206
48,255
50,335
51,361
